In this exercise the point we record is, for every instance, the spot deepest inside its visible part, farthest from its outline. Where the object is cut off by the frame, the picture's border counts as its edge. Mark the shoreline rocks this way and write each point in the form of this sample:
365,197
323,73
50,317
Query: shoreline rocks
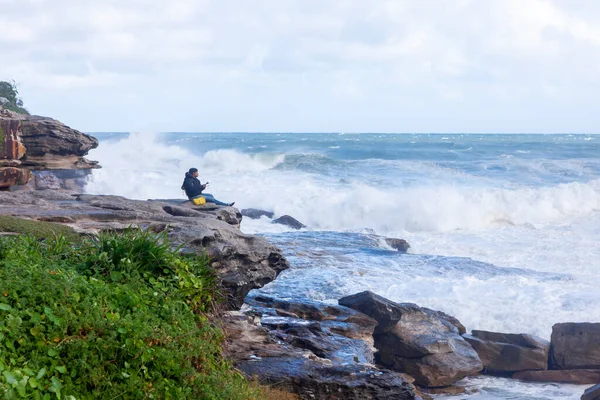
313,349
507,353
575,346
420,342
572,376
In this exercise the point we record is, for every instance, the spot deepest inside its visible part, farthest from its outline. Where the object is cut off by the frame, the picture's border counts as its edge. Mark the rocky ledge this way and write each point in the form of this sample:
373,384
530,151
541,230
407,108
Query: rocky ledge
369,347
30,143
242,262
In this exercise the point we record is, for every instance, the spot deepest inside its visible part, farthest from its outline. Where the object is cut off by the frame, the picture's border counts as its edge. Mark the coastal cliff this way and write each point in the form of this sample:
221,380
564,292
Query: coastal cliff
31,143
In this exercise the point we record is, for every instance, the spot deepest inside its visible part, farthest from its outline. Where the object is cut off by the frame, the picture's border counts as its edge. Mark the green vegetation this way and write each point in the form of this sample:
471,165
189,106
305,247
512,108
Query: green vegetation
113,317
9,91
37,229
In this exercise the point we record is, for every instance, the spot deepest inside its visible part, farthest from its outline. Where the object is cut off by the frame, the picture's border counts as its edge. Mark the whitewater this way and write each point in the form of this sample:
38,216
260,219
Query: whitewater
504,229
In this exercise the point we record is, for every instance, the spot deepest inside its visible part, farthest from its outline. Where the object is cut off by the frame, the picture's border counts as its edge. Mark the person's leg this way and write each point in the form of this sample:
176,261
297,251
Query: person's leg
211,199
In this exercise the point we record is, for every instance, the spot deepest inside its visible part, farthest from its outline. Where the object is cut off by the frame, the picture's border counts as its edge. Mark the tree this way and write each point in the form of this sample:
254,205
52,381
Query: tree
9,97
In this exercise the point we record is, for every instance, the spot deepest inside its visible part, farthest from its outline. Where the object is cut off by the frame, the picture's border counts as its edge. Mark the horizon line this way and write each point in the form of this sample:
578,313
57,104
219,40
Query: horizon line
354,133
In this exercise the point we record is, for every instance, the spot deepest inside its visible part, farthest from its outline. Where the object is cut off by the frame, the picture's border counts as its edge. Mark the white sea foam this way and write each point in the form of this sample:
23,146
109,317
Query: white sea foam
143,167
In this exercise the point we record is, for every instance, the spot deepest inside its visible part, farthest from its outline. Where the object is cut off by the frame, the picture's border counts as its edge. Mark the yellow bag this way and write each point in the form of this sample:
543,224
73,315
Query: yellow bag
199,201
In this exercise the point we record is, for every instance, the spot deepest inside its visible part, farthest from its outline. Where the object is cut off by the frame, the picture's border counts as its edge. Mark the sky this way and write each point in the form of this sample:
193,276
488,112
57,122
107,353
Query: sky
307,65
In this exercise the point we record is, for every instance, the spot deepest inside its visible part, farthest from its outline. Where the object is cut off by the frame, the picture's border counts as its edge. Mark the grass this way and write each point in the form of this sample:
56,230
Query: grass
115,317
37,229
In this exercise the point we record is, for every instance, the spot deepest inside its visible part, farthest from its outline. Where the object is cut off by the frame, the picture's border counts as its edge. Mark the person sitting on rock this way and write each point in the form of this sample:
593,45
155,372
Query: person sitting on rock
193,188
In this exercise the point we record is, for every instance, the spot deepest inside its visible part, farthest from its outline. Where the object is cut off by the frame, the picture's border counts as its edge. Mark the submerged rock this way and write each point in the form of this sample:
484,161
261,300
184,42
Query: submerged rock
289,221
398,244
505,352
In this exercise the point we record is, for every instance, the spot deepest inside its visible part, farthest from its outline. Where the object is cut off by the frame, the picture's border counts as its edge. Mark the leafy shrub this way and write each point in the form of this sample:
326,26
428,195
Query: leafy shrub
117,316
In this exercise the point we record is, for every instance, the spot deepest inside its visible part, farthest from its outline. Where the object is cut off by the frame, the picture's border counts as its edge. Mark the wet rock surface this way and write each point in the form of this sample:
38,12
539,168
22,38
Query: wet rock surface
313,349
254,213
242,262
289,221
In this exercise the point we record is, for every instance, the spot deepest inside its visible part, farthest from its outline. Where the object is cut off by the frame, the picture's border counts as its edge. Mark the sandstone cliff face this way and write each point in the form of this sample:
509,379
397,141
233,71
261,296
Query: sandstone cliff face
29,142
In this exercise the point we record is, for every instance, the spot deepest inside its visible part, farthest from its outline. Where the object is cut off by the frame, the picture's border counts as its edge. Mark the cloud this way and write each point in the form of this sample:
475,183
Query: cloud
263,61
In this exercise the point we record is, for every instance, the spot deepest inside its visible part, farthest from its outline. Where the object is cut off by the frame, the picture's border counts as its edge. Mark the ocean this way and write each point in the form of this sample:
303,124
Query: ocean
504,229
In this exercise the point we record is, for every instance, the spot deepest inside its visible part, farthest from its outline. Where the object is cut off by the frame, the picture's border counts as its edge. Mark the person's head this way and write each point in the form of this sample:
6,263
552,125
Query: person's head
193,172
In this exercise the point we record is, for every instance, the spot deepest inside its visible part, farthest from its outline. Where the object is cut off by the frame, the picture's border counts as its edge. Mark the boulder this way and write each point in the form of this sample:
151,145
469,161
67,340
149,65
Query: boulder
505,352
384,311
254,213
11,176
570,376
575,346
423,343
592,393
47,180
398,244
289,221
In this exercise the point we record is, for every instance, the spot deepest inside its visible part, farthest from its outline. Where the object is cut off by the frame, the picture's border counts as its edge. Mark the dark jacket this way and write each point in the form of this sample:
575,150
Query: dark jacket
191,185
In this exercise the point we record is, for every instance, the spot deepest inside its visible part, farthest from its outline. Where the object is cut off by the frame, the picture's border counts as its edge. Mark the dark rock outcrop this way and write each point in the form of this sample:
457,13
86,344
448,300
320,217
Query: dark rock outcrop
571,376
289,221
575,346
242,262
398,244
254,213
592,393
312,349
423,343
506,352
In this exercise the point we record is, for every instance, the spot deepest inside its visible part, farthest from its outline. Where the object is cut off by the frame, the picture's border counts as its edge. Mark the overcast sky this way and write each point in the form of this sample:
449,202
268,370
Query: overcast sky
307,65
